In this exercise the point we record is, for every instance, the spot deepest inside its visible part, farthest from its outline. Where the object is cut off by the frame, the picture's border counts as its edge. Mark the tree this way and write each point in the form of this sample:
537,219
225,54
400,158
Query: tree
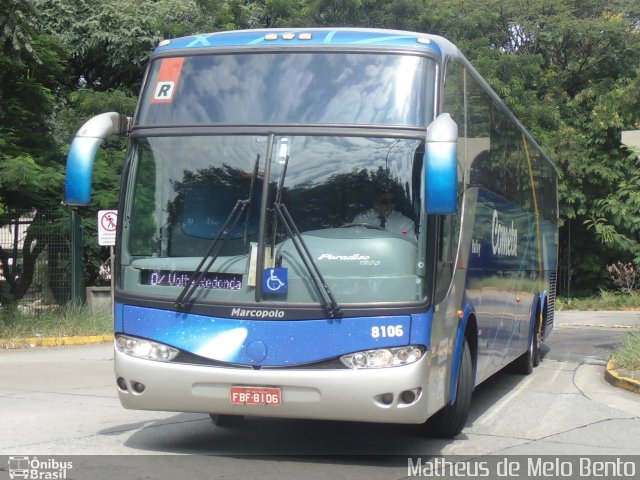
30,172
109,43
108,48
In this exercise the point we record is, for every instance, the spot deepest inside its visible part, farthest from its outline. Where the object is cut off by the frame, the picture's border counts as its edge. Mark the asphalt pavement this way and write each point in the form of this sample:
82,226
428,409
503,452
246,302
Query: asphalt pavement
603,319
585,323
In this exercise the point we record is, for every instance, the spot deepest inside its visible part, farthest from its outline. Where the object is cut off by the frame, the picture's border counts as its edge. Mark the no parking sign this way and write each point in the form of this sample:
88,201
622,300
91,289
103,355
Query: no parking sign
107,223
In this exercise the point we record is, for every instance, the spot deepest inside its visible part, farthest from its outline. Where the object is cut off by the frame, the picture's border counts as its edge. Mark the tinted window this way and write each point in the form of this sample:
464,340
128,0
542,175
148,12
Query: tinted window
302,88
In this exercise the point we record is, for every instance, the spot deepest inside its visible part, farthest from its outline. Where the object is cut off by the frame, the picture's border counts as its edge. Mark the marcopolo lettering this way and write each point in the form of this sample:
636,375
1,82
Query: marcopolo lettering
354,257
257,313
504,239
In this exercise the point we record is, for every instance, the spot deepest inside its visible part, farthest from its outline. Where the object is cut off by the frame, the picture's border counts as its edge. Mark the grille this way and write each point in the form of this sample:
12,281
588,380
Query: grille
551,299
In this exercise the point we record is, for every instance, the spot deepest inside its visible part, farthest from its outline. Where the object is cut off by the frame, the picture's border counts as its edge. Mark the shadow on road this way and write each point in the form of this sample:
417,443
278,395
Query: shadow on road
346,442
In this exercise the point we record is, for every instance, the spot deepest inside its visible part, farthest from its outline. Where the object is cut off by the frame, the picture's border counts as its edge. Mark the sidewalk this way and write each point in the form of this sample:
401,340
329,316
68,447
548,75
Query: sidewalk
604,319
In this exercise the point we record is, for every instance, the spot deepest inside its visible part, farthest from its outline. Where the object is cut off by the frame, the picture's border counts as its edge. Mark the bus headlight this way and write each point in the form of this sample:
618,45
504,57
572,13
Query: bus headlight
383,357
137,347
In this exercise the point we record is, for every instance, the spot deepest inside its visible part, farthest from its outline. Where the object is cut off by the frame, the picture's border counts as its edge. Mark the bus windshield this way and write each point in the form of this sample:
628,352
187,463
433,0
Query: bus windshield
355,201
289,88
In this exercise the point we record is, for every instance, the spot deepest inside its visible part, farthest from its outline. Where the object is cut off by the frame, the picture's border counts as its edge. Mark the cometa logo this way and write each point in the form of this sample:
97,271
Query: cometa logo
504,239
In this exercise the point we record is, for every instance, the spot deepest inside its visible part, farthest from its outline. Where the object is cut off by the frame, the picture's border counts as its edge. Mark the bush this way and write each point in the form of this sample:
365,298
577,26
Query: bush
625,276
628,354
68,320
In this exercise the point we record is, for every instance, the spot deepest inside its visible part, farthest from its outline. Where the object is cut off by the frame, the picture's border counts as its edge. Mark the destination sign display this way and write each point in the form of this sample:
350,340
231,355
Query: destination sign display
172,278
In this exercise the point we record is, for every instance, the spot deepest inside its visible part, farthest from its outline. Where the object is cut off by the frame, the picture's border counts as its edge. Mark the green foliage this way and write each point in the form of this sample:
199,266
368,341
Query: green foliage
30,177
602,301
110,42
627,356
16,24
65,321
29,183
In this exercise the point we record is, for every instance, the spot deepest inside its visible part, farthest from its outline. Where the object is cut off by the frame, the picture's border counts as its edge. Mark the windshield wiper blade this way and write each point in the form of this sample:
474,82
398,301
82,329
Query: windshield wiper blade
327,300
217,245
326,296
234,216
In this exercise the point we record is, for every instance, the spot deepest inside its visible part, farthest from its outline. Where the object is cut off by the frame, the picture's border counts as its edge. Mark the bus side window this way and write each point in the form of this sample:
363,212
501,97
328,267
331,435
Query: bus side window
449,226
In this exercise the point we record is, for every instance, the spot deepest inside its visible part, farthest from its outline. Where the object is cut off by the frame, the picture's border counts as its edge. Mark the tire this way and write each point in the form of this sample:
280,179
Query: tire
531,358
537,335
226,421
449,422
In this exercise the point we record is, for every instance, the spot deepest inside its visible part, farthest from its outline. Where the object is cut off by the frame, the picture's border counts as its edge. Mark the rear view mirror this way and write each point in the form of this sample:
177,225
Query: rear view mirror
82,153
441,166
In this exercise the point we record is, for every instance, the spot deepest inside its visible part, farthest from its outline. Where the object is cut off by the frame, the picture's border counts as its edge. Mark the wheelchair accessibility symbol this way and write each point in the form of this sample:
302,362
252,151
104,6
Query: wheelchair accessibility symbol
275,280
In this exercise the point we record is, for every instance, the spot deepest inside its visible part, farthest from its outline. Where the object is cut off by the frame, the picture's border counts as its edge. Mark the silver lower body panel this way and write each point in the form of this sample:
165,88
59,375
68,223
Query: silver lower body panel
351,395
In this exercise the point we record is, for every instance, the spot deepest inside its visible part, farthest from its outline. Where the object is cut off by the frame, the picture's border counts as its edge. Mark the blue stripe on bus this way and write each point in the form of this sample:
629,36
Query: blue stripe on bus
319,37
271,342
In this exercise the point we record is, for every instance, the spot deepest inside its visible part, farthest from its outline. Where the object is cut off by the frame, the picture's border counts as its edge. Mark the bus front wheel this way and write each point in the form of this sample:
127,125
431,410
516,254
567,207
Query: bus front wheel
449,422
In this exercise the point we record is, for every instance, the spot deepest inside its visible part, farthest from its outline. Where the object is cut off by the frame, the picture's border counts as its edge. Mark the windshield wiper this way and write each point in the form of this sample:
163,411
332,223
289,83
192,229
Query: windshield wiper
327,299
218,243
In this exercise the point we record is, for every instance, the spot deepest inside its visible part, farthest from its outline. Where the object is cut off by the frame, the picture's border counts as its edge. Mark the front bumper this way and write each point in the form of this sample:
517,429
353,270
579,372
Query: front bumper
351,395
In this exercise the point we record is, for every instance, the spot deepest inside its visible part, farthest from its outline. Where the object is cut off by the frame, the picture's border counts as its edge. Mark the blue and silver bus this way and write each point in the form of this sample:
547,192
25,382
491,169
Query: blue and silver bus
342,224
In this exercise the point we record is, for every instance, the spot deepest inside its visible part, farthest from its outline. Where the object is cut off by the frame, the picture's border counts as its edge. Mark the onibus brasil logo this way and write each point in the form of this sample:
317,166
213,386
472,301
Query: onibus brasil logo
36,469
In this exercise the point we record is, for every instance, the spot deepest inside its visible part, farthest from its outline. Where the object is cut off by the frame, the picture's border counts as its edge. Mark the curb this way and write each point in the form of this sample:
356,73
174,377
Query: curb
32,342
620,381
595,325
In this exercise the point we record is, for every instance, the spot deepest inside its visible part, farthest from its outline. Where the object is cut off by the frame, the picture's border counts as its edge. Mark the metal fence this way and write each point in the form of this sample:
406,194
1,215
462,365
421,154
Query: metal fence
35,260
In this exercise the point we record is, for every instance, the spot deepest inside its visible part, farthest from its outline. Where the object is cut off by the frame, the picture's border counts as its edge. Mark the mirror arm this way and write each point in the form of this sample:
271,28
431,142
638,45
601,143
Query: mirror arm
79,169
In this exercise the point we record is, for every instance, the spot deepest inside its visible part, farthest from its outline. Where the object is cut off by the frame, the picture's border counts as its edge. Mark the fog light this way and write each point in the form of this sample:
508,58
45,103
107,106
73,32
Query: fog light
386,398
408,396
122,384
137,387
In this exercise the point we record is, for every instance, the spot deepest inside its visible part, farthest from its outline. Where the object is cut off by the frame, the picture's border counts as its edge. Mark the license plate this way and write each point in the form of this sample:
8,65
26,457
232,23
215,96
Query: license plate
255,396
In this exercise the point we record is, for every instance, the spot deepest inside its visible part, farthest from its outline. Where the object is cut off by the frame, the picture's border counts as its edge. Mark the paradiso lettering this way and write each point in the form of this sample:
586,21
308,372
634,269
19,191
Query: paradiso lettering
347,258
504,239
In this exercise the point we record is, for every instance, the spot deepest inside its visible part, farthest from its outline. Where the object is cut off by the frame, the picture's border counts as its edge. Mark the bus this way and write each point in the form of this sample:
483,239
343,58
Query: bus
250,279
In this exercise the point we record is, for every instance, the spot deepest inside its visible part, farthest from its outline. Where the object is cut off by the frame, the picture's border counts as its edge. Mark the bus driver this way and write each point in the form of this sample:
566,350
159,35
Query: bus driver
384,216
